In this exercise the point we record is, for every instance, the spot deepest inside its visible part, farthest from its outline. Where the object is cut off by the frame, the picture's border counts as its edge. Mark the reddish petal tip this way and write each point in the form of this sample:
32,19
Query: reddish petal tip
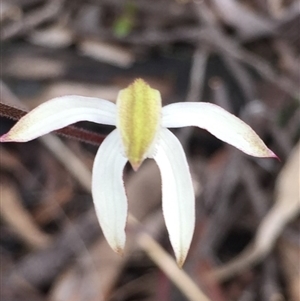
4,138
276,157
273,155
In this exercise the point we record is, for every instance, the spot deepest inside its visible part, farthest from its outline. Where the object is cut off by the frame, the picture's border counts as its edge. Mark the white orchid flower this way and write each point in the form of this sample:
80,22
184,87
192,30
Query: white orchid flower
141,133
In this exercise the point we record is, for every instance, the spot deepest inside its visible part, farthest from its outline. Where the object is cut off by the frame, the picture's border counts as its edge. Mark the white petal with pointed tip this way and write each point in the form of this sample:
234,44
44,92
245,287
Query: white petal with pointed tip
60,112
218,122
108,191
177,193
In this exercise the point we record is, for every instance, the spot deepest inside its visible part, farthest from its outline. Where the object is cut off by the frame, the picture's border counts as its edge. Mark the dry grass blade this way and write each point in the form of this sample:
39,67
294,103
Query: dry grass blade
286,207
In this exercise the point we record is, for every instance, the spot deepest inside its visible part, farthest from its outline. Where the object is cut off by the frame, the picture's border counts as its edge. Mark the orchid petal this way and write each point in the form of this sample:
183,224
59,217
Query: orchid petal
218,122
177,193
58,113
108,191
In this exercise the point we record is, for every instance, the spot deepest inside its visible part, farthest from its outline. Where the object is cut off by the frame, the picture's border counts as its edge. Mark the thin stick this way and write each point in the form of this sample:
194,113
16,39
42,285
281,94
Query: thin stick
163,260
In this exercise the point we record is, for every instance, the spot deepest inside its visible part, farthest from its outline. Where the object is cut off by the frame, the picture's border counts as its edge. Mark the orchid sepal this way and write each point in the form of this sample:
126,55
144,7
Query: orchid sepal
218,122
178,198
58,113
108,191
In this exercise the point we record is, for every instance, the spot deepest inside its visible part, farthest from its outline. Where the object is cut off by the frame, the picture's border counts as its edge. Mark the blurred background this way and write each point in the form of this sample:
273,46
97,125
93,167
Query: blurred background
242,55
